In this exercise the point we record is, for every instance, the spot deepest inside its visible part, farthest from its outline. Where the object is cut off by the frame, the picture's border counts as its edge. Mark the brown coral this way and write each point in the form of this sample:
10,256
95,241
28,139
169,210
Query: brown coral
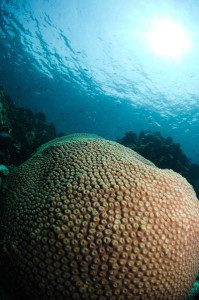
86,218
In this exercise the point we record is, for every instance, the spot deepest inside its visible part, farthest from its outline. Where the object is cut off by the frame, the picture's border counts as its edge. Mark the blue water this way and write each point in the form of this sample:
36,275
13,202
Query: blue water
88,67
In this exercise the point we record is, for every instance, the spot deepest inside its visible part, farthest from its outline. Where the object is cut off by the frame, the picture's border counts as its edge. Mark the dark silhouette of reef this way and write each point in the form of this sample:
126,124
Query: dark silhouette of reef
21,132
164,153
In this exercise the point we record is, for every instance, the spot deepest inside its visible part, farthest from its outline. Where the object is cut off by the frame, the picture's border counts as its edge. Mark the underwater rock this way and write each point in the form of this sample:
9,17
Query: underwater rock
3,172
5,126
21,132
87,218
193,295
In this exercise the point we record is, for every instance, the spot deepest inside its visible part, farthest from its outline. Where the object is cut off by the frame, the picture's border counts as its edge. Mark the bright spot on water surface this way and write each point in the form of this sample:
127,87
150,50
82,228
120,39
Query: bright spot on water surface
168,39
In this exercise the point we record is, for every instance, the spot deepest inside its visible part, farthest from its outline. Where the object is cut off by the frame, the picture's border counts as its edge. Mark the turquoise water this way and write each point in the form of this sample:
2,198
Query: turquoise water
88,66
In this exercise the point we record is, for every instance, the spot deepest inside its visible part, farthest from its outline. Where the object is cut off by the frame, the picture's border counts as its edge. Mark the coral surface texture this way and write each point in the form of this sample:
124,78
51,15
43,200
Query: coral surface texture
87,218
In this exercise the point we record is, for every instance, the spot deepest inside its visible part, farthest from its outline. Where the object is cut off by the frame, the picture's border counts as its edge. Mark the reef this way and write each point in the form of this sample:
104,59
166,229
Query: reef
5,125
21,132
164,153
87,218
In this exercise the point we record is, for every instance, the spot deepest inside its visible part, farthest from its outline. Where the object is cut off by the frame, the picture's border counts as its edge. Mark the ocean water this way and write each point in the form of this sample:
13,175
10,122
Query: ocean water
90,67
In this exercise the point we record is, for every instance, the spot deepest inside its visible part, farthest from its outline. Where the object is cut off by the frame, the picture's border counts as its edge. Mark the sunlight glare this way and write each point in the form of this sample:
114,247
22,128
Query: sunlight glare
168,39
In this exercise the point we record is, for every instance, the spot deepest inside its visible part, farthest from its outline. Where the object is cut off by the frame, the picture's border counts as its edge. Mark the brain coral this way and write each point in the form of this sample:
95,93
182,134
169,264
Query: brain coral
87,218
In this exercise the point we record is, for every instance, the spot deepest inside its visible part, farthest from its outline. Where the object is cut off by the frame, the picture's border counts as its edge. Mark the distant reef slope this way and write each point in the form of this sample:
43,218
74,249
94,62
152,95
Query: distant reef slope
21,131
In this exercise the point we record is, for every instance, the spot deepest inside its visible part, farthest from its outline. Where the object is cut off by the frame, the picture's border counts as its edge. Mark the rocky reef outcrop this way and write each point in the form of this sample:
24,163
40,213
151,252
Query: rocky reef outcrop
21,131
